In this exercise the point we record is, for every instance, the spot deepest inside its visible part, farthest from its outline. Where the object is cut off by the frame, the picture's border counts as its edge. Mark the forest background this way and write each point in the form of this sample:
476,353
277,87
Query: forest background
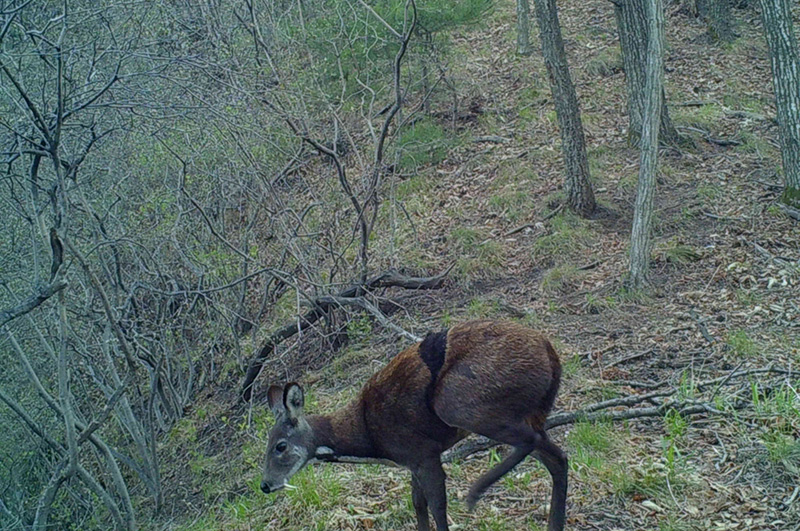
200,198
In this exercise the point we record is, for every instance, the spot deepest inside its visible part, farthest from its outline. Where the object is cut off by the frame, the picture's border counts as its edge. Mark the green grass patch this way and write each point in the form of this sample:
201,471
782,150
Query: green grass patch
425,143
607,63
477,252
560,279
570,234
479,308
601,159
590,445
416,185
317,487
651,480
596,304
511,204
674,251
756,144
741,344
705,117
709,192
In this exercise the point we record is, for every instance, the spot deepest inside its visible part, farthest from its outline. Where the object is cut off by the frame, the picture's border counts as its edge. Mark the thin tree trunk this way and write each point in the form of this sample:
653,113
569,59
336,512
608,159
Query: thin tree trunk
648,162
785,60
580,197
524,27
633,40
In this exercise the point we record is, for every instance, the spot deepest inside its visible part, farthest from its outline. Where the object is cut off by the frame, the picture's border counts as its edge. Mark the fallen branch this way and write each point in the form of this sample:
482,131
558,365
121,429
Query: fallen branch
701,326
630,357
392,278
530,225
723,218
492,139
386,279
792,212
708,138
752,116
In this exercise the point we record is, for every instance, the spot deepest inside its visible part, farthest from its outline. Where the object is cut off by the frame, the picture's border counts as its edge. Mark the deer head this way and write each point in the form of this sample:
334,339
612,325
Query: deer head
291,441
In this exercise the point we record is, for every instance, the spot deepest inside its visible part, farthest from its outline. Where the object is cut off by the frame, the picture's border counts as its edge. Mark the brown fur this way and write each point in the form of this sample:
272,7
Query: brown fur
498,379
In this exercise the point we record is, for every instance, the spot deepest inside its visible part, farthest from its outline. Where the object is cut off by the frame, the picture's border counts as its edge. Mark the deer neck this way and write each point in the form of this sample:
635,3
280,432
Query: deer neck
342,434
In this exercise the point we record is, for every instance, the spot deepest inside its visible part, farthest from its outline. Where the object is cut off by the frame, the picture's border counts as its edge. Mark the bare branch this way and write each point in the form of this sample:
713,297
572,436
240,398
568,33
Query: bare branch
380,19
31,302
361,302
386,279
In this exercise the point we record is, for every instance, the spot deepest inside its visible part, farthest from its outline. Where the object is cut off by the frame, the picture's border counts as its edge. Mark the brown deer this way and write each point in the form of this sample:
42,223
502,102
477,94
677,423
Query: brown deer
497,379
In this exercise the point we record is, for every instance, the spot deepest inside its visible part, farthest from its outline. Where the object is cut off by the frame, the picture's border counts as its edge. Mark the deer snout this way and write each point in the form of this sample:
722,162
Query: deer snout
265,487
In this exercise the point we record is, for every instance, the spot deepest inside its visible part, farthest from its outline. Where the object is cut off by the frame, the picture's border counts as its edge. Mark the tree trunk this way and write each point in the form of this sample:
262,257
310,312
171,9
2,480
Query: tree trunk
580,197
648,162
785,60
524,27
633,39
719,18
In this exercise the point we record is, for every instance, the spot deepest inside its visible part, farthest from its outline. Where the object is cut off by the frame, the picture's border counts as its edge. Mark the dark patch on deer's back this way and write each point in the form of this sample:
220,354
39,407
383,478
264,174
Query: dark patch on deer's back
432,351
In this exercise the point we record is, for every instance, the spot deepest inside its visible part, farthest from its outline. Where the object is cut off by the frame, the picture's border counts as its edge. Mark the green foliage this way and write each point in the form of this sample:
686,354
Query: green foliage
709,192
570,365
353,50
316,488
359,327
675,424
651,480
592,436
705,117
435,15
675,251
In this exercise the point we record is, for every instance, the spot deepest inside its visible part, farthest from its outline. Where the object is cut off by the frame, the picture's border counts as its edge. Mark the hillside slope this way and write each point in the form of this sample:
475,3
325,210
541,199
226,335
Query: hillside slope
725,296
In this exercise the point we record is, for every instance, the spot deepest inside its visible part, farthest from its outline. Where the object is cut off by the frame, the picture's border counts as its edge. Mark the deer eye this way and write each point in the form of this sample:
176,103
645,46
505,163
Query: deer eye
281,447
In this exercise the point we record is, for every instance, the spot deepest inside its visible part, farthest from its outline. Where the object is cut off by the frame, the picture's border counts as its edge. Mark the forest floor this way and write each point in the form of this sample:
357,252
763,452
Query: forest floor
725,296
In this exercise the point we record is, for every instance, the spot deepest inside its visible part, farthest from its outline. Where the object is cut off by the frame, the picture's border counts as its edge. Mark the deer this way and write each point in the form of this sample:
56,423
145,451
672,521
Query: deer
492,378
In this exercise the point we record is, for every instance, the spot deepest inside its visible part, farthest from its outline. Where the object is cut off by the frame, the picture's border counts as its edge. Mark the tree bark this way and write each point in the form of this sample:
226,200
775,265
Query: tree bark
580,197
648,162
524,27
785,61
633,40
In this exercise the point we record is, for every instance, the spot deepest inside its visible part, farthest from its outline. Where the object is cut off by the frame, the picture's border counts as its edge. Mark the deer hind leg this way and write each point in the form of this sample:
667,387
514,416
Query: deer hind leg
487,480
420,504
555,461
526,440
522,437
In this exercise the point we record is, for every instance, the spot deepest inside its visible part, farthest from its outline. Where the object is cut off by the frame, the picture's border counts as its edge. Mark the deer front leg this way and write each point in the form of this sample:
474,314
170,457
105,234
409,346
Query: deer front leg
430,478
420,504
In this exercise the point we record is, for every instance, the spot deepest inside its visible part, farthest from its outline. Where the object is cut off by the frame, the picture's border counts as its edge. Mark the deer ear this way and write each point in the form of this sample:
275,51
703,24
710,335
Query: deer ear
275,398
293,400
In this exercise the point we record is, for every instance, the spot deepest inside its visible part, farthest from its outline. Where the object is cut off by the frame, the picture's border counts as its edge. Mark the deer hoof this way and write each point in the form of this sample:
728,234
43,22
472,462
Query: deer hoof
471,500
